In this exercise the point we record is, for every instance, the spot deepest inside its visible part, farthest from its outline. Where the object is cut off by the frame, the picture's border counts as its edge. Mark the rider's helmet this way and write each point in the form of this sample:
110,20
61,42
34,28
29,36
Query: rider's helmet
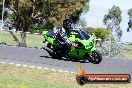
67,24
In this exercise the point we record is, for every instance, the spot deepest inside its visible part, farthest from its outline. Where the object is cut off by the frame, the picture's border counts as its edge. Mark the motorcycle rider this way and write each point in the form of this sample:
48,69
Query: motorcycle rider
61,35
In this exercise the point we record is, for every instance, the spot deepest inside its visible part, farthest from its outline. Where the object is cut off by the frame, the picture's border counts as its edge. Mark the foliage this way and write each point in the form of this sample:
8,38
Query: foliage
67,9
112,20
130,13
54,11
129,23
1,9
102,33
119,33
114,14
1,3
27,12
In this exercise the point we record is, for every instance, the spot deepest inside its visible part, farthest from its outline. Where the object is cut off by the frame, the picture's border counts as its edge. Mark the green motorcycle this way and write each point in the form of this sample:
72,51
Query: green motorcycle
84,51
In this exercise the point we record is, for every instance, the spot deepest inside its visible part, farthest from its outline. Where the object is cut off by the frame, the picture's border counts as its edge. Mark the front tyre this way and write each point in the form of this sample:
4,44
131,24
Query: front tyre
96,57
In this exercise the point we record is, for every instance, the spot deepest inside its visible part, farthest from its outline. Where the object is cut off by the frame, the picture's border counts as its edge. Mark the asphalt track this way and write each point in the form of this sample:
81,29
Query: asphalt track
40,58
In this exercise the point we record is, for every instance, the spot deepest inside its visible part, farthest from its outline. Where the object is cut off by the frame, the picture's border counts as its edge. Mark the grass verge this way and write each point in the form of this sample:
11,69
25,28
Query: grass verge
32,40
127,51
21,77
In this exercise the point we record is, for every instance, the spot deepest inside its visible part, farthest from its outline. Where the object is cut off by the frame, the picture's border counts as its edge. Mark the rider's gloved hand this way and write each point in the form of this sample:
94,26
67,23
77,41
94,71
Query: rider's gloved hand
74,45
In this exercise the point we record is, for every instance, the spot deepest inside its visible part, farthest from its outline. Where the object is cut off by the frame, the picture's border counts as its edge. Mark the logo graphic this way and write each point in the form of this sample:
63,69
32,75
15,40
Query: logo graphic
83,78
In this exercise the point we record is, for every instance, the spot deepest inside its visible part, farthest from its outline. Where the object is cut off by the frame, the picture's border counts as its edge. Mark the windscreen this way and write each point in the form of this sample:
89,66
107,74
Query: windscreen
81,34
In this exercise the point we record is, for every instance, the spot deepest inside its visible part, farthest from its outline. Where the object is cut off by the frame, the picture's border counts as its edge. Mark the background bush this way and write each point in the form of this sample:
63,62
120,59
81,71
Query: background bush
102,33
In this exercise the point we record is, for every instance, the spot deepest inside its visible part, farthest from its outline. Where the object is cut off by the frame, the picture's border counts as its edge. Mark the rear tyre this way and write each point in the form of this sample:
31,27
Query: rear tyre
95,58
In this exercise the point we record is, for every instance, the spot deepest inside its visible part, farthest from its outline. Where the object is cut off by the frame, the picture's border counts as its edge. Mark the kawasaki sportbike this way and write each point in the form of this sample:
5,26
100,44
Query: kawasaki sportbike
84,51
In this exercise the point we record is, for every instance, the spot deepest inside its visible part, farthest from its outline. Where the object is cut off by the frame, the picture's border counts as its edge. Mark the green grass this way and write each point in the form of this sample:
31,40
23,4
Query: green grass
20,77
12,82
127,54
127,51
32,40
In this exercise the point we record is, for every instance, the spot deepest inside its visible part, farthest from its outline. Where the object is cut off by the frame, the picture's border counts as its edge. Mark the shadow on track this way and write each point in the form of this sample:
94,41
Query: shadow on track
64,59
46,56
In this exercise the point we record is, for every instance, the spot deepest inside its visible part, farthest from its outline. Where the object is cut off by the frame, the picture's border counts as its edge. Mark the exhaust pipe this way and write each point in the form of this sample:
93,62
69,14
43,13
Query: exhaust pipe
51,51
47,49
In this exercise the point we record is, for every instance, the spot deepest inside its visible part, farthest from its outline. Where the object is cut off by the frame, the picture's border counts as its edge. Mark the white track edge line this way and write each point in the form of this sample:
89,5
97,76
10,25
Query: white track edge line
19,65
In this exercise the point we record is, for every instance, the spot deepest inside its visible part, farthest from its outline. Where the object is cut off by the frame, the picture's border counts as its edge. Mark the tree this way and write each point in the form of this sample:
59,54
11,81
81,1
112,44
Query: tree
130,21
53,11
113,20
1,7
114,12
61,9
1,3
102,33
130,13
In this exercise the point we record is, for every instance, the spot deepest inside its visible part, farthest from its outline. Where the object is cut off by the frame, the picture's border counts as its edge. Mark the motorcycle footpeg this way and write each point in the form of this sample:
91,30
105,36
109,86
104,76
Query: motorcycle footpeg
63,57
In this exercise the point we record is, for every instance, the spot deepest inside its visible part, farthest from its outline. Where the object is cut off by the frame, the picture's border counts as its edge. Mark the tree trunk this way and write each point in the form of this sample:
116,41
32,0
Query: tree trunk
14,36
23,38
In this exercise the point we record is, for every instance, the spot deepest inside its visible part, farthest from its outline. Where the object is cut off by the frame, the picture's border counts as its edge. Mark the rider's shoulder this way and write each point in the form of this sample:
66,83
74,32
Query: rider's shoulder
56,28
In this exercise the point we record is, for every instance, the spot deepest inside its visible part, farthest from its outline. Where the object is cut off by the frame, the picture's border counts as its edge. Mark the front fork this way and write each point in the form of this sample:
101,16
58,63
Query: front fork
88,53
90,50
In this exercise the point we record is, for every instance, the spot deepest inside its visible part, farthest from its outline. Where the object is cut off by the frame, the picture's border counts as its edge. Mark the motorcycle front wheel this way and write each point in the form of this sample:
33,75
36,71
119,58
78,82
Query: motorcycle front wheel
95,58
